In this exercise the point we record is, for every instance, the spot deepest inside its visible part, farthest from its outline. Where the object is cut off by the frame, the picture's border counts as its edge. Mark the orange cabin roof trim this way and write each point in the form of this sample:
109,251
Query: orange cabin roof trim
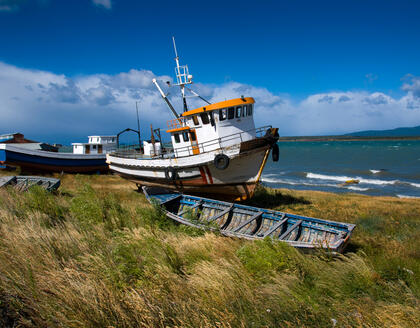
219,105
183,128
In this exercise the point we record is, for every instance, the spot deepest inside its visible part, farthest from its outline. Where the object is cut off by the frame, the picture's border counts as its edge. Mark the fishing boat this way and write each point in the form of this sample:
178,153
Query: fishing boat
242,221
86,157
215,149
23,183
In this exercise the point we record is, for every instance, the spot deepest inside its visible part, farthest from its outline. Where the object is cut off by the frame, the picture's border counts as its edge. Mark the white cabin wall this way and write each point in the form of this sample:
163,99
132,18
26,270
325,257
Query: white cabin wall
109,144
78,149
182,148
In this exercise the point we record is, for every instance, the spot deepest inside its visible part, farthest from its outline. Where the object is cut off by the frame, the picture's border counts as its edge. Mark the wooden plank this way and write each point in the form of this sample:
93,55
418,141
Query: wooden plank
4,181
293,227
213,218
190,208
255,217
283,220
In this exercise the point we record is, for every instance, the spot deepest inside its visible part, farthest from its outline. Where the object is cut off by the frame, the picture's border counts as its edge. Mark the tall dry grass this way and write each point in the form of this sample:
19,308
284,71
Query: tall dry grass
95,254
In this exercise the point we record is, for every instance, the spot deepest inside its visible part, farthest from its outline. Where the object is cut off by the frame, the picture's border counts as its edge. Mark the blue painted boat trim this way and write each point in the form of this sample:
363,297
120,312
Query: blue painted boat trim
14,157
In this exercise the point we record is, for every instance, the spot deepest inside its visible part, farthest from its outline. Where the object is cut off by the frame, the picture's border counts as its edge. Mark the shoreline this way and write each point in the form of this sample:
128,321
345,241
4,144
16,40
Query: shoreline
347,138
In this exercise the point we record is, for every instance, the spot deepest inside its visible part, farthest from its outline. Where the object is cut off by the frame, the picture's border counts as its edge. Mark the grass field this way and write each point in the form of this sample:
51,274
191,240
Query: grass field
96,254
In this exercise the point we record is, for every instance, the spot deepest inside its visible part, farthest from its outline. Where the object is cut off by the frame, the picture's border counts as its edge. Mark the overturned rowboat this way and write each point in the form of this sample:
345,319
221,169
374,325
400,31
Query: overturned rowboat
236,220
23,183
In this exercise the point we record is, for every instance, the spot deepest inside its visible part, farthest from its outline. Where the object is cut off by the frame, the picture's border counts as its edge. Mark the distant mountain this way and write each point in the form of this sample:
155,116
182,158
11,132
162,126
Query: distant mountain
399,132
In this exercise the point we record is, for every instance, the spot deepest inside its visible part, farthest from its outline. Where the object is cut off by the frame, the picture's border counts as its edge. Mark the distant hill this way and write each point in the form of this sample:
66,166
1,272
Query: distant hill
399,132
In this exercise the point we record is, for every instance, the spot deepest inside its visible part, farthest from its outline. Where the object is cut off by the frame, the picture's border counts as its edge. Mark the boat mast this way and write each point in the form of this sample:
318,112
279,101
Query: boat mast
182,76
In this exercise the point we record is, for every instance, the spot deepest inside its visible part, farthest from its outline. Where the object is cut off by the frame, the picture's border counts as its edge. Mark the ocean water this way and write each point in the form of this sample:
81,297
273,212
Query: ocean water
386,168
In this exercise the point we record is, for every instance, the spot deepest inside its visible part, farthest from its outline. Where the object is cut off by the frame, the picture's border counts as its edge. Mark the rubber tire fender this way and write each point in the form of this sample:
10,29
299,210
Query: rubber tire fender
170,173
221,161
275,152
272,139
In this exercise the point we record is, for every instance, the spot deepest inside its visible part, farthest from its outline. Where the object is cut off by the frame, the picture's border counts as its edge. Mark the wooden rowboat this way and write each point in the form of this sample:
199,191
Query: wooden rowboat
23,183
236,220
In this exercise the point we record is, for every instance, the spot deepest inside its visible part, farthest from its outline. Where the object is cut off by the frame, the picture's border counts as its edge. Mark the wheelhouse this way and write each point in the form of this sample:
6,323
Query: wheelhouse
214,126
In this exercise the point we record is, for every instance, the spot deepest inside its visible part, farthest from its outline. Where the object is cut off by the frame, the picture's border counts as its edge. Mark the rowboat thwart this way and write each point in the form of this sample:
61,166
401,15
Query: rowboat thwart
242,221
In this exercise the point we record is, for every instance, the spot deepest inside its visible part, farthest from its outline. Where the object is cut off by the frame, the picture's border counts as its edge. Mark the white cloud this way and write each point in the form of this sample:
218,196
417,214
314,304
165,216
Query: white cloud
412,85
107,4
40,103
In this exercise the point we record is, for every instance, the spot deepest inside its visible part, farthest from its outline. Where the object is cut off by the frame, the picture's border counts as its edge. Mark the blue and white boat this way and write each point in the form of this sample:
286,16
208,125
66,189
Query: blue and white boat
242,221
86,157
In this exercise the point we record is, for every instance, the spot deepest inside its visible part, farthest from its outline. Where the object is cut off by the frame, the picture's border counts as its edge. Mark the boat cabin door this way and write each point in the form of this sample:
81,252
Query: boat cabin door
194,143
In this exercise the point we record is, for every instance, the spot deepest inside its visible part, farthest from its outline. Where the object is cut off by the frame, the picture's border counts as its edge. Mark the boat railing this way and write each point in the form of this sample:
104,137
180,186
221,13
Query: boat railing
232,140
176,123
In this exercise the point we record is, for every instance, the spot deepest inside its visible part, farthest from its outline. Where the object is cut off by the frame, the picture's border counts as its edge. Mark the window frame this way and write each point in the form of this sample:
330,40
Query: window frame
238,111
245,110
193,135
222,114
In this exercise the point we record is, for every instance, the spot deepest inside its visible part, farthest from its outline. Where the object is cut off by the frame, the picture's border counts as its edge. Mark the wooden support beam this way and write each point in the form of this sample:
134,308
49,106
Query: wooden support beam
293,227
215,217
170,200
255,217
282,221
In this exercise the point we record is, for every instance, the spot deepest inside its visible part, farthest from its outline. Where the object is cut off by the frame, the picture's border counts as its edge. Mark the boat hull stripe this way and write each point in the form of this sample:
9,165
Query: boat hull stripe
209,174
203,175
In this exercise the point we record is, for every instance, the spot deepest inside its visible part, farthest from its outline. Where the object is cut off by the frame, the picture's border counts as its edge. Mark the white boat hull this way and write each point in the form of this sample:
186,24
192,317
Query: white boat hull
198,174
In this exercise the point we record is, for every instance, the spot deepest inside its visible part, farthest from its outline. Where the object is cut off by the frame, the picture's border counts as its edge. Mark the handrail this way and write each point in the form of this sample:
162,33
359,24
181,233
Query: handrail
201,146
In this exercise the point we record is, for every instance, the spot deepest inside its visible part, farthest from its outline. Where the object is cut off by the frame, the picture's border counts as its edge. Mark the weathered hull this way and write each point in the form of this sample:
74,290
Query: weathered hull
43,161
199,175
23,183
236,220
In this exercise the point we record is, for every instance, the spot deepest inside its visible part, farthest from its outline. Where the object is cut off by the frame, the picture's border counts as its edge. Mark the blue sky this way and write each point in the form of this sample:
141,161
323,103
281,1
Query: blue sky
298,57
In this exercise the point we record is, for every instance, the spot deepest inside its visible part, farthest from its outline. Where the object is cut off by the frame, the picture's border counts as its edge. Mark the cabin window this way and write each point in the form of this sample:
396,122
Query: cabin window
245,111
231,113
185,136
195,120
249,109
176,137
94,146
222,114
205,118
238,111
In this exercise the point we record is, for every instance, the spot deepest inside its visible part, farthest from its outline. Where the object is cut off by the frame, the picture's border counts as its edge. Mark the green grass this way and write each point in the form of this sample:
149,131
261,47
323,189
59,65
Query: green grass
96,254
